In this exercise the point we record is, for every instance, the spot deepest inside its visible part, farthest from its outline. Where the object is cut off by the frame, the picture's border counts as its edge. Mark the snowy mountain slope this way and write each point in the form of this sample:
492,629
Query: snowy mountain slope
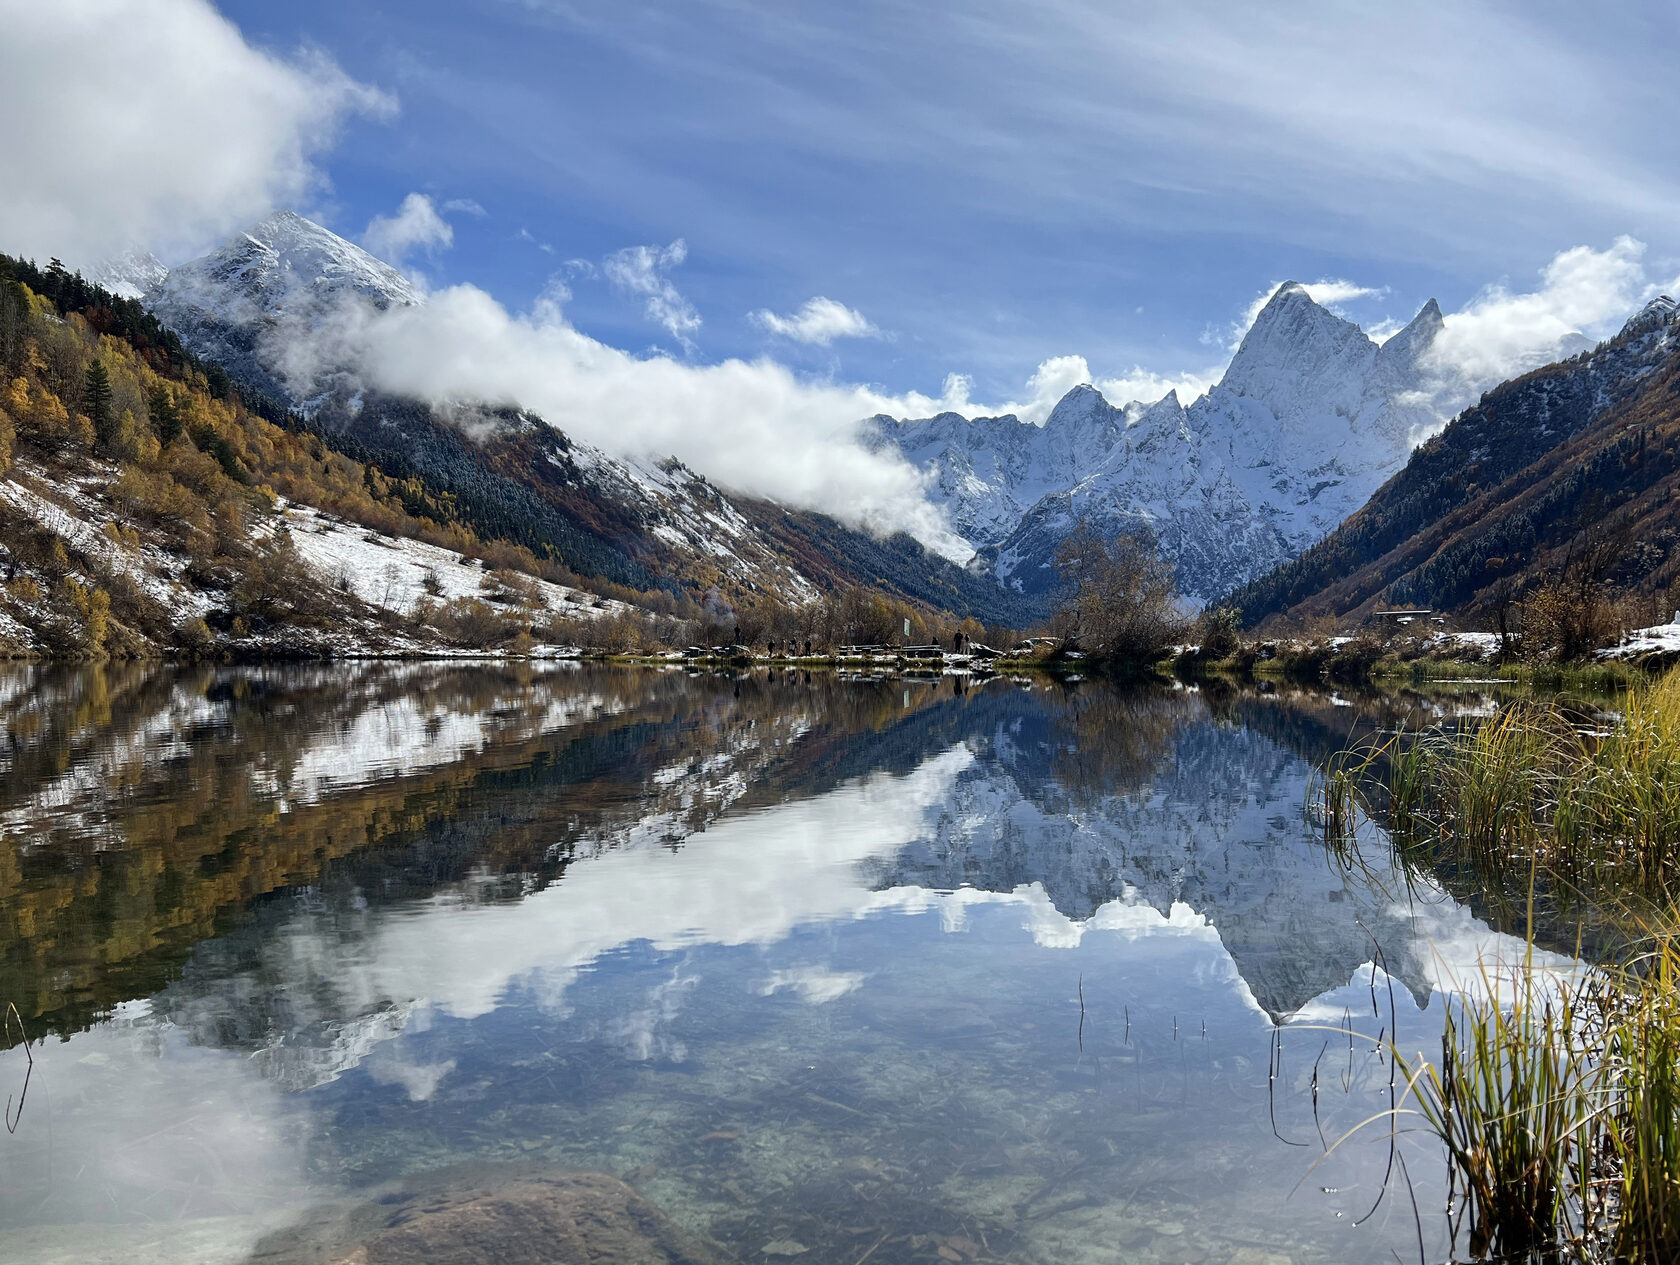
255,301
1493,504
1309,419
371,586
130,275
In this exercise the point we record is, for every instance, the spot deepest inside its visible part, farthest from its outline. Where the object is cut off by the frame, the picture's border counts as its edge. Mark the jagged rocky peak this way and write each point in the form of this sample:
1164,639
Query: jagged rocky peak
1406,348
1309,419
1299,356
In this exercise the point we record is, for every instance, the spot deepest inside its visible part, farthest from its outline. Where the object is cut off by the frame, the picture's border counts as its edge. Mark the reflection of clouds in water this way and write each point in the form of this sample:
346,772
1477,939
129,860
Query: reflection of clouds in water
1456,954
644,1033
815,984
755,878
748,880
1463,957
130,1123
420,1080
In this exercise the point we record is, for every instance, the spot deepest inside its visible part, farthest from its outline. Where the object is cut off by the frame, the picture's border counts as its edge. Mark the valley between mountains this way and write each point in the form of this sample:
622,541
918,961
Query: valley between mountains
196,463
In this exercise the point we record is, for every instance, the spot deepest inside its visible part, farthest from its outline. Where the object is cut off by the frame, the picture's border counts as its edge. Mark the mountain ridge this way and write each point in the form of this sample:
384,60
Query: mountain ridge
264,296
1497,498
1309,418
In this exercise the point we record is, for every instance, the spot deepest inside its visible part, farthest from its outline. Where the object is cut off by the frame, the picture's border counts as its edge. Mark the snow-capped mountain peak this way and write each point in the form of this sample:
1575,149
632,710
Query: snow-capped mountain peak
1656,314
280,262
264,291
1299,356
1308,420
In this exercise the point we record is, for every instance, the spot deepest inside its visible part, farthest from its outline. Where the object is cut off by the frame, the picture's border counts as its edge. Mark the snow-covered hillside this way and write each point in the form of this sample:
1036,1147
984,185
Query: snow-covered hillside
1311,417
394,574
373,586
257,305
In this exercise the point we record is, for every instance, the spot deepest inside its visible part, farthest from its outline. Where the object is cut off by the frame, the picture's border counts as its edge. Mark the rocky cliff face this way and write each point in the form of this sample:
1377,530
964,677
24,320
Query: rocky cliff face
1493,505
1311,417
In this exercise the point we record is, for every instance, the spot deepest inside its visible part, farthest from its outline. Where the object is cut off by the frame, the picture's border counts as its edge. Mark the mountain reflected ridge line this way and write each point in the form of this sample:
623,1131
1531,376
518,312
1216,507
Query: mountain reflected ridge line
804,960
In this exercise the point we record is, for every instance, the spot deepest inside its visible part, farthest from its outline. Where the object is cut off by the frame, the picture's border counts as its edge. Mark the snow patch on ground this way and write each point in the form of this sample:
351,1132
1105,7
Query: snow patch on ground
76,514
1475,644
393,573
1658,639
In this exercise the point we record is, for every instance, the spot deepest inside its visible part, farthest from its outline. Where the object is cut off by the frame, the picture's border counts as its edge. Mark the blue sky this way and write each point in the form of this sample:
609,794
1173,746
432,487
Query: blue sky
731,230
995,184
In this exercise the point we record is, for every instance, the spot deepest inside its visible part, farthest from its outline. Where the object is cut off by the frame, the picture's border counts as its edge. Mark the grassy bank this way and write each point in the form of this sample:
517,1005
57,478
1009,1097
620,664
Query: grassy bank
1557,1096
1366,662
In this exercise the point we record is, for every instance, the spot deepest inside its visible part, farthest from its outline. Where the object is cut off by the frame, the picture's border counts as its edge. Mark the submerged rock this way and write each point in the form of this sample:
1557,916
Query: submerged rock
555,1218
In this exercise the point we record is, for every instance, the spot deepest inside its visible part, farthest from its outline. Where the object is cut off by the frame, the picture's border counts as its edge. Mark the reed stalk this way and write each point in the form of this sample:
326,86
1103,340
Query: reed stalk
1556,1097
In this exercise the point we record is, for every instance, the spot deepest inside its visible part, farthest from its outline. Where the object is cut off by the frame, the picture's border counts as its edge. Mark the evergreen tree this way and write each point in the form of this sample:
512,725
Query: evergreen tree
166,418
96,401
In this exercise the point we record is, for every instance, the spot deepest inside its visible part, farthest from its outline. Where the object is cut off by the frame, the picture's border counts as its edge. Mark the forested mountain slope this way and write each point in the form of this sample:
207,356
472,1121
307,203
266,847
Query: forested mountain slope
144,506
1578,458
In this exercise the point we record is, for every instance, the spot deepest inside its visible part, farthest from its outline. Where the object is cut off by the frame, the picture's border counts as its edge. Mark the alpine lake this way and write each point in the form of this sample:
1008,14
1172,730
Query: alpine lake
815,969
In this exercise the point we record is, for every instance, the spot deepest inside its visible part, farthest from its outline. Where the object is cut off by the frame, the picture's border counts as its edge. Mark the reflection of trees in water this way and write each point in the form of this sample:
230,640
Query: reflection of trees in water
1110,742
154,804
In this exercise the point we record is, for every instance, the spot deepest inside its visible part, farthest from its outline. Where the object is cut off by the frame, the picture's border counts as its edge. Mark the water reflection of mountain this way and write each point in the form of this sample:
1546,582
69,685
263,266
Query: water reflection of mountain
1180,807
144,811
229,841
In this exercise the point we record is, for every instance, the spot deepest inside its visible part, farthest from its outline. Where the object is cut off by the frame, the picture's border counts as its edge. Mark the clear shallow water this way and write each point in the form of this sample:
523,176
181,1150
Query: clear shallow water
1033,974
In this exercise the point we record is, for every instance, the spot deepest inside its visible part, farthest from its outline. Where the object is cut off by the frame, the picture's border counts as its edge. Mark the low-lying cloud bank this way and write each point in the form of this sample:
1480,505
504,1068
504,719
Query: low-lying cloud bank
752,426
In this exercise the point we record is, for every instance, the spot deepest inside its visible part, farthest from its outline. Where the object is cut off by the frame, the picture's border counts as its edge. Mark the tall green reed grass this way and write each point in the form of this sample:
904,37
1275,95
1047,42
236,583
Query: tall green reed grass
1593,798
1556,1097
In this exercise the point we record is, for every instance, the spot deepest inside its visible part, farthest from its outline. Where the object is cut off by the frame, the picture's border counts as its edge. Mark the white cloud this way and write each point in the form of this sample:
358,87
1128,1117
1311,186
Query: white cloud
1331,292
640,271
415,226
819,322
527,236
465,206
1584,295
753,426
153,124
